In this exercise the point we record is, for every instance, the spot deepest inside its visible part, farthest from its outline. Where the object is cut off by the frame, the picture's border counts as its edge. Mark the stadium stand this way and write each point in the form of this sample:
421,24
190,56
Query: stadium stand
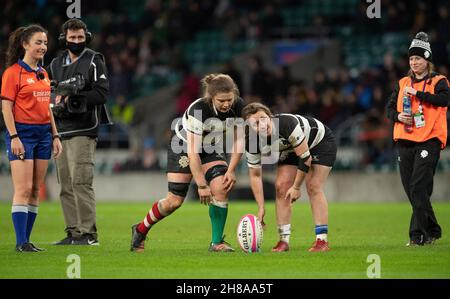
148,45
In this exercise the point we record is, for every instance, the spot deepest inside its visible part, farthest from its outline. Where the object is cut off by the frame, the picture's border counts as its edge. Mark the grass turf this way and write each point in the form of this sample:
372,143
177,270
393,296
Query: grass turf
177,247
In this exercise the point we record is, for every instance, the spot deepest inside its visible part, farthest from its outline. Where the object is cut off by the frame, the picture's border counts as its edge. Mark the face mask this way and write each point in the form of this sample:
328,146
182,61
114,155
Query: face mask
76,48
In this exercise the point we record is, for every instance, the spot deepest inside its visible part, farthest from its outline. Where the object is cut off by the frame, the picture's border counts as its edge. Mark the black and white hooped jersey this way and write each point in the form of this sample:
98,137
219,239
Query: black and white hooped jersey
202,118
288,132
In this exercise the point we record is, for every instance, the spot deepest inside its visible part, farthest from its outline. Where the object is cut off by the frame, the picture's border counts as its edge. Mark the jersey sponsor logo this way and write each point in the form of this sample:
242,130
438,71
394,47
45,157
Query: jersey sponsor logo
42,96
45,93
30,81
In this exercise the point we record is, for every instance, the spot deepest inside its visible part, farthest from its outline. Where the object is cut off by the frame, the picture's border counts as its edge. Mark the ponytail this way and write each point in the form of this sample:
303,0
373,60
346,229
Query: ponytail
217,83
15,49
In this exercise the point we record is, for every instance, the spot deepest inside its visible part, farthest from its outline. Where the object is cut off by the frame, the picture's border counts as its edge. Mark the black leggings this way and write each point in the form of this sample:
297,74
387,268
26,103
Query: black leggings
418,161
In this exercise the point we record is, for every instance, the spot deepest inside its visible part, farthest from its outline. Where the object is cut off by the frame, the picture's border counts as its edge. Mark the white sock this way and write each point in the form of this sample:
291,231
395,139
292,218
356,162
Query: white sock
323,237
285,232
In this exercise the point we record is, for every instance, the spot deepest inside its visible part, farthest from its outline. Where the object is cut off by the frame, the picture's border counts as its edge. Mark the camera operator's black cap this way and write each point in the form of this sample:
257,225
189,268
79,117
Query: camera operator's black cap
420,47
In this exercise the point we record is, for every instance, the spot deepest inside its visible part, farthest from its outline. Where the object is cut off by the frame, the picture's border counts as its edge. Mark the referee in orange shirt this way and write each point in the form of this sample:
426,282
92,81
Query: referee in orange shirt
31,131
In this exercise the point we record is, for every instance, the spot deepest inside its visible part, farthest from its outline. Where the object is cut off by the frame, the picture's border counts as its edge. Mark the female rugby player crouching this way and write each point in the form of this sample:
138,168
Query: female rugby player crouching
307,151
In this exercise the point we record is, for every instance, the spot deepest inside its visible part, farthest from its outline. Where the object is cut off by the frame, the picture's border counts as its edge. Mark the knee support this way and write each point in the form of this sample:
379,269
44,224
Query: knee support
215,171
179,189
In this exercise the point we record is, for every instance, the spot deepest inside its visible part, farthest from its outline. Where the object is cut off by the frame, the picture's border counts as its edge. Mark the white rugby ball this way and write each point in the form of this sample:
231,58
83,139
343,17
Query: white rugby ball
250,233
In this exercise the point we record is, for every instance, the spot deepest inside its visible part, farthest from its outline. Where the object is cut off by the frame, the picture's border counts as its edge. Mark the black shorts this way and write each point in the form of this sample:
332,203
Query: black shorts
178,161
323,153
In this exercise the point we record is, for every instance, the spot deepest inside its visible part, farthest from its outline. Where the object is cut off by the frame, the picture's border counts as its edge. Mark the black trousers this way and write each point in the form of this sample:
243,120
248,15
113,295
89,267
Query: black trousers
418,163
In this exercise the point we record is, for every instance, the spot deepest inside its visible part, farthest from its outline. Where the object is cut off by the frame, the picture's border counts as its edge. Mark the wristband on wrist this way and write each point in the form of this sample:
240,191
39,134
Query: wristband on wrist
56,136
305,155
13,136
301,163
303,167
202,187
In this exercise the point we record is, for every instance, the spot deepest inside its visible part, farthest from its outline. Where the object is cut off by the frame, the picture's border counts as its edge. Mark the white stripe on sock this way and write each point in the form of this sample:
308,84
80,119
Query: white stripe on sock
19,209
285,232
322,237
285,238
220,204
146,222
284,229
33,209
152,216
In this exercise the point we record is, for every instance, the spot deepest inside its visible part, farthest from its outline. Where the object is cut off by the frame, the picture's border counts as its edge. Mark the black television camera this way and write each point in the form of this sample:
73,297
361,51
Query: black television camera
70,88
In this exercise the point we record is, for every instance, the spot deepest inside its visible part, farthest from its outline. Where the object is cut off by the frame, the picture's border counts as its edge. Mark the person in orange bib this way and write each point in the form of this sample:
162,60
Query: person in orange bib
418,107
31,131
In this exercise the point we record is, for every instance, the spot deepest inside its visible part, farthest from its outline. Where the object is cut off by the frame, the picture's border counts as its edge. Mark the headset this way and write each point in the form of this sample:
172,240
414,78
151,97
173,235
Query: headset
62,36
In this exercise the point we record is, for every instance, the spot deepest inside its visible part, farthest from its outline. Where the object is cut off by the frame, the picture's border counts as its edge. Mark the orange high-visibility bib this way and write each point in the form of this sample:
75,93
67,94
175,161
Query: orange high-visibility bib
435,117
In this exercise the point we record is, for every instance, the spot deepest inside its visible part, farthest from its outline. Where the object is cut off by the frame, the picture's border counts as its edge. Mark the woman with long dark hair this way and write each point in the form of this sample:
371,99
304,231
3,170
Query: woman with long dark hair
31,132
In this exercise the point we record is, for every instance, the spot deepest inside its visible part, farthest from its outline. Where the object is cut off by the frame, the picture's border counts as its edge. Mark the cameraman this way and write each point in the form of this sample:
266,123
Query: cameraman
78,115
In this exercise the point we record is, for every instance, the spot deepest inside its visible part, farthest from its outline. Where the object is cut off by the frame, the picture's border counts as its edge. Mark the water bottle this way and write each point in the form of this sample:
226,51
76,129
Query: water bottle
407,109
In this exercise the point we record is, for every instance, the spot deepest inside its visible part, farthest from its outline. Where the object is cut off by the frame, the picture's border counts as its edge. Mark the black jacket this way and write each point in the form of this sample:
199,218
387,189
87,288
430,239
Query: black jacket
92,65
440,97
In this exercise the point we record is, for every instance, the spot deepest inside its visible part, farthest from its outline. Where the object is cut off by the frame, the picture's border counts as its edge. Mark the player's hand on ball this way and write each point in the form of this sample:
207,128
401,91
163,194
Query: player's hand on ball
205,195
261,214
293,194
228,181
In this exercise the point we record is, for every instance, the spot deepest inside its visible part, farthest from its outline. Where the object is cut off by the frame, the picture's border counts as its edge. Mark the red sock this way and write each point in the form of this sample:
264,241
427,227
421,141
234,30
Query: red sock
153,216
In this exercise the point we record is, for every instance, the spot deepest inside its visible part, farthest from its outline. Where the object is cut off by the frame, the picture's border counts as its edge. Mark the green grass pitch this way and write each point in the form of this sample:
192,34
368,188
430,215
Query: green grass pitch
177,247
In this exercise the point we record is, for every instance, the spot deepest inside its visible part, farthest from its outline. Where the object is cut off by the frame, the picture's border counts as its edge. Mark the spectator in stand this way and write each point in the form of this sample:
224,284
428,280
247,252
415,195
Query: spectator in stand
260,89
122,112
189,90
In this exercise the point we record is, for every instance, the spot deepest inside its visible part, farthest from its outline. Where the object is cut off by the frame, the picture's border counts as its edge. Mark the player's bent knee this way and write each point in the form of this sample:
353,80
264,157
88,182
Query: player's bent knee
171,203
219,191
179,189
313,188
281,188
215,171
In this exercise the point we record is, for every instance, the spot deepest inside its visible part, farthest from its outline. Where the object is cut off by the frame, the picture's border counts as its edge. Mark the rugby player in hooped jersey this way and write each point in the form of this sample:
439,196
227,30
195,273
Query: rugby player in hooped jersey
196,151
305,150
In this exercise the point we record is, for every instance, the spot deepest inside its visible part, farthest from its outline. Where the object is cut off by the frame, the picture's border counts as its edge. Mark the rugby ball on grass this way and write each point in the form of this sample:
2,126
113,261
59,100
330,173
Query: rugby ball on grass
250,233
